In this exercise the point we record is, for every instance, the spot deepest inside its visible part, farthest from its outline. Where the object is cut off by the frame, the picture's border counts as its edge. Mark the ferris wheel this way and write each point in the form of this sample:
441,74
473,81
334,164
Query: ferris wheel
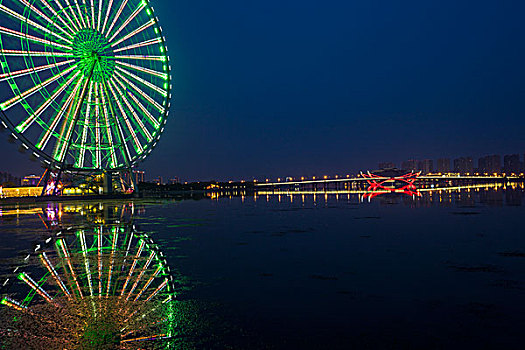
84,84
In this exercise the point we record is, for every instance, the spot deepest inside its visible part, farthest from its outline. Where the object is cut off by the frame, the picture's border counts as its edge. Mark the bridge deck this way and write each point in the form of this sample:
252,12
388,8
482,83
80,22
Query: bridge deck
362,179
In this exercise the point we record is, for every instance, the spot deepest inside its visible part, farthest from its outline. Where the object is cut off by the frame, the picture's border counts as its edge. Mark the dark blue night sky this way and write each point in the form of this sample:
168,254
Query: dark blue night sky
276,88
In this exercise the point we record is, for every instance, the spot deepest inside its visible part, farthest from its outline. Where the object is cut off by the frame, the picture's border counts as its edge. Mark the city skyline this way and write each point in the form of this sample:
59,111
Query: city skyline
499,164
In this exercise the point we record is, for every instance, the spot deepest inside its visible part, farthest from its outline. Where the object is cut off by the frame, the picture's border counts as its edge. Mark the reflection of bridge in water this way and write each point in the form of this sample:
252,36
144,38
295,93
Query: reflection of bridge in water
493,194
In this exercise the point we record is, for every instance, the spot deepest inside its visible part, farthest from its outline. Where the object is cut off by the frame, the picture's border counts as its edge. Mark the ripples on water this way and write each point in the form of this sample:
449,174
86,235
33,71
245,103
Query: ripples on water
273,271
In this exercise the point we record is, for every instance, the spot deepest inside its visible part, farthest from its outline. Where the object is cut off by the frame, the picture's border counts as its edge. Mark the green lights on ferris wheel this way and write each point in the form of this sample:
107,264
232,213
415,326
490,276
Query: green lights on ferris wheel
94,92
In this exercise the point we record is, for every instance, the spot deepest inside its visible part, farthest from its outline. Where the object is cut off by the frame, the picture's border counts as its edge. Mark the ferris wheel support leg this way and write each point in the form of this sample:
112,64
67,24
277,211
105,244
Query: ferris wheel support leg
45,181
51,181
133,182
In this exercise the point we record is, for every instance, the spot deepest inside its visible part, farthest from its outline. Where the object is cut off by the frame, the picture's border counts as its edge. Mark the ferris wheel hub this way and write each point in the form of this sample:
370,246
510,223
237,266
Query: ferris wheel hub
91,47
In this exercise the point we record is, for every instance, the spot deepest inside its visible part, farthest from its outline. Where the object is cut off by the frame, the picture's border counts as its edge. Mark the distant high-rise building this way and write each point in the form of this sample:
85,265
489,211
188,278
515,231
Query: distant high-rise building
443,165
158,181
489,164
386,165
409,165
174,180
463,165
425,166
511,164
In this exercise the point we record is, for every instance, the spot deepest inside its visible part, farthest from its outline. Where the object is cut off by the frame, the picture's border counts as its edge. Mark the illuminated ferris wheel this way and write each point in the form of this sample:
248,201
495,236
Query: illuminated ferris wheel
84,84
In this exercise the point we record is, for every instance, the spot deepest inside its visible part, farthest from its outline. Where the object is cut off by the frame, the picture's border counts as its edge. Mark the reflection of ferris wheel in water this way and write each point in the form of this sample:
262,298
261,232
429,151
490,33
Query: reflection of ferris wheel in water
85,85
105,286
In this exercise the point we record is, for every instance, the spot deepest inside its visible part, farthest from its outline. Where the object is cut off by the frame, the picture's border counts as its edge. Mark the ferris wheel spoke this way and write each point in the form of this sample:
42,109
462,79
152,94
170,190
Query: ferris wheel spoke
119,133
82,151
135,32
138,145
108,128
67,126
100,263
72,12
31,22
97,140
52,10
141,57
80,15
158,290
143,81
44,139
99,14
7,104
67,274
20,35
144,110
144,70
13,303
117,15
129,19
61,243
93,17
92,22
150,280
112,261
41,15
141,44
133,265
110,4
86,260
141,93
31,70
141,274
53,272
138,122
63,10
34,53
36,287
